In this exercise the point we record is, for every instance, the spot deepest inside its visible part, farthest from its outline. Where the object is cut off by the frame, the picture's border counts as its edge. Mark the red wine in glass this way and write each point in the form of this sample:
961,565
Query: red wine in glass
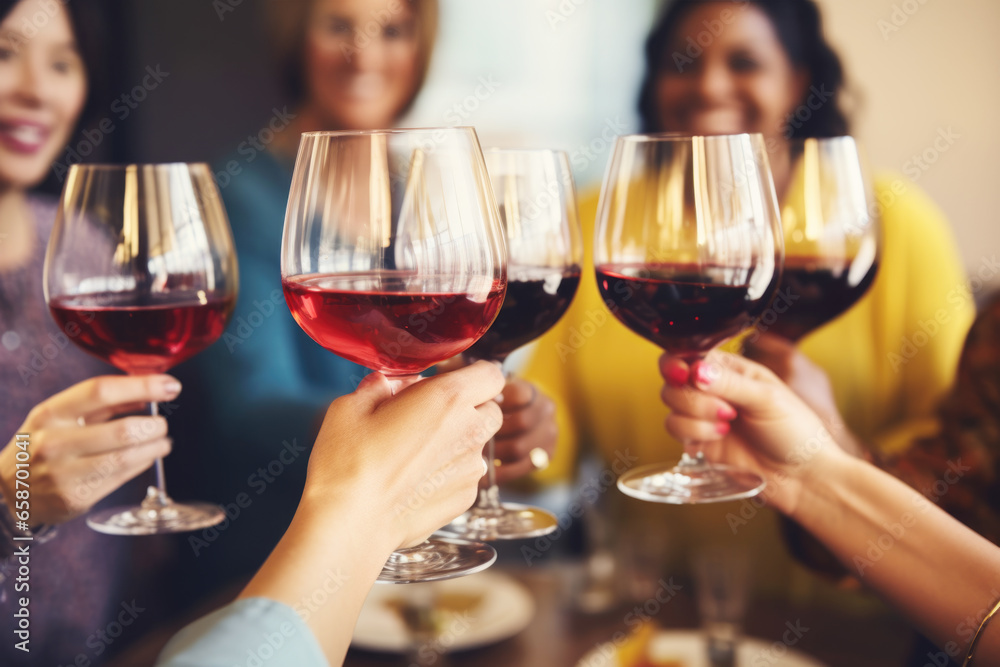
685,309
152,338
381,322
141,269
536,298
393,256
817,291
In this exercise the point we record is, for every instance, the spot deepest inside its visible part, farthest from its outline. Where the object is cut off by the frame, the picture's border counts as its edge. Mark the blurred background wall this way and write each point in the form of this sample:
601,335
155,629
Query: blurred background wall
564,73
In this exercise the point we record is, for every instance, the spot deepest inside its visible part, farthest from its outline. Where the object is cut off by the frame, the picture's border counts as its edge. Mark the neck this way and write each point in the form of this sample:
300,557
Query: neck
17,235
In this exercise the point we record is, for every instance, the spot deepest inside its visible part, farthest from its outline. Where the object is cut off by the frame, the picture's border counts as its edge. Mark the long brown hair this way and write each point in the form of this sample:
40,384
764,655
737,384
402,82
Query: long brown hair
288,21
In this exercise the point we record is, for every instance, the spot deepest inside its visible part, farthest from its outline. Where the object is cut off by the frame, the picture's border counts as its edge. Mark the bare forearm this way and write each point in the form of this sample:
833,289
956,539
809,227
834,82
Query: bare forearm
323,568
941,574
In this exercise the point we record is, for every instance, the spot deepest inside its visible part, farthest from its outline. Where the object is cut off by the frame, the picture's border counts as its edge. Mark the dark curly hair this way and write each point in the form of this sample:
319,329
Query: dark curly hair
799,27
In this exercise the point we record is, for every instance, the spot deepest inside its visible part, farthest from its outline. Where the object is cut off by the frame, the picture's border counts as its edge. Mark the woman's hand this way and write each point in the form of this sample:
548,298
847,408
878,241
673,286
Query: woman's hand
411,462
529,424
79,454
747,417
807,380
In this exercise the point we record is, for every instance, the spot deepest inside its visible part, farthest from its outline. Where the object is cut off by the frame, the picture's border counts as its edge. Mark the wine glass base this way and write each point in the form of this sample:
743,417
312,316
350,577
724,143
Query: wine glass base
170,518
510,522
436,559
690,484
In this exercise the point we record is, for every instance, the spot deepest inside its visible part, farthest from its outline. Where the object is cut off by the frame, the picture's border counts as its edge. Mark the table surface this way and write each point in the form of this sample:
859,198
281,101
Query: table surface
559,636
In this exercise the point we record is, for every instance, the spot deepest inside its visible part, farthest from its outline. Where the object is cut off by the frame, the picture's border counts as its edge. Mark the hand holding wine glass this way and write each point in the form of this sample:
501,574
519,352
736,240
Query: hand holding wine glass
537,201
688,252
393,257
80,453
140,272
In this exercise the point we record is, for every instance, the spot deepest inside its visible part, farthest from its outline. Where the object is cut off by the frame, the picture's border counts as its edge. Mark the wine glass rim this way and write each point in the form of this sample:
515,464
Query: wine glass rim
683,136
396,130
107,166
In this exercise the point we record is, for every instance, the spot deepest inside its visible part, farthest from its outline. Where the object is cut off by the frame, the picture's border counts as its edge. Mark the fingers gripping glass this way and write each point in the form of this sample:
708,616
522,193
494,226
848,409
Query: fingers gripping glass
141,264
393,257
688,252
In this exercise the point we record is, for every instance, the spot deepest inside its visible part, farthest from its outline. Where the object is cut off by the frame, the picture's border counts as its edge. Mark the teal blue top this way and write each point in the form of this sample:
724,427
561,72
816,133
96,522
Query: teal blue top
255,631
253,402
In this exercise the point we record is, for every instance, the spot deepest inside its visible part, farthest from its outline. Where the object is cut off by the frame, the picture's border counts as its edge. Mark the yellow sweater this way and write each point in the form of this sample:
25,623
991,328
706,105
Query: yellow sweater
890,359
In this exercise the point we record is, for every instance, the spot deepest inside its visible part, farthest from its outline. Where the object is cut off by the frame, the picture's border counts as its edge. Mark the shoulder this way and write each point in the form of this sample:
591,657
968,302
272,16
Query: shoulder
901,202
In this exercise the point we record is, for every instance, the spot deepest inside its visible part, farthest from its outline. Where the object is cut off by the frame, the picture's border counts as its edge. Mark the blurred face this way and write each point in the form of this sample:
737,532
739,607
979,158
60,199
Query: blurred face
43,86
742,81
361,62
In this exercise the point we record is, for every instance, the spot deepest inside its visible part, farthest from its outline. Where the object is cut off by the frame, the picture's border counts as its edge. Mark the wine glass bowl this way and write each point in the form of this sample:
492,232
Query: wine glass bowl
141,265
537,203
832,235
393,256
688,252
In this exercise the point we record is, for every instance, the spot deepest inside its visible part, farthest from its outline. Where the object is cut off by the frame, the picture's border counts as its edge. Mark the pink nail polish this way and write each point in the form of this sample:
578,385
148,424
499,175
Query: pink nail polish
677,377
722,427
727,414
704,374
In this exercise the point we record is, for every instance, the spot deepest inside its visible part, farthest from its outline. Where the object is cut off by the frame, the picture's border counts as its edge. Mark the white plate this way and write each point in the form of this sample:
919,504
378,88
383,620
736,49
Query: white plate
502,609
688,647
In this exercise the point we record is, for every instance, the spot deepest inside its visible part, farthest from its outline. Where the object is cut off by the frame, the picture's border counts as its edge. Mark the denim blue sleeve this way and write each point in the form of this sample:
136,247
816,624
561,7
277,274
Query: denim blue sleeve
247,631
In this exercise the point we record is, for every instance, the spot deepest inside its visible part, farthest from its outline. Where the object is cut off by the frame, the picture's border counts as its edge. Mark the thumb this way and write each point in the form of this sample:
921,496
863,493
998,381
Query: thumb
738,381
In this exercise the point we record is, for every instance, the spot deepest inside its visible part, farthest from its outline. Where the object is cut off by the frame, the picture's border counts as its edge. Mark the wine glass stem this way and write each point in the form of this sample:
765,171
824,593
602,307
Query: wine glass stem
156,496
489,498
692,457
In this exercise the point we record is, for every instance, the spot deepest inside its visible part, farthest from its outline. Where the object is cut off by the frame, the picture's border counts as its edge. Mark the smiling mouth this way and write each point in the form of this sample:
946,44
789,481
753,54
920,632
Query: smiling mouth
23,137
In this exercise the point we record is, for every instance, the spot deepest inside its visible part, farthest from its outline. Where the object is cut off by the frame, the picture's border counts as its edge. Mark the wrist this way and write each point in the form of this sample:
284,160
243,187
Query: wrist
355,512
820,483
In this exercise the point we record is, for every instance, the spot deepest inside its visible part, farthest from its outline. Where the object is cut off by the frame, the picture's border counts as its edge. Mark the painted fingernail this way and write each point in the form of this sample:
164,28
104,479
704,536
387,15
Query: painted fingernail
722,427
171,387
677,377
704,374
727,414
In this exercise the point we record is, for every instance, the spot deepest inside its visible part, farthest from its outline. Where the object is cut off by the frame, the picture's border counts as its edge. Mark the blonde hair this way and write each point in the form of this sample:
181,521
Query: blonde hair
288,21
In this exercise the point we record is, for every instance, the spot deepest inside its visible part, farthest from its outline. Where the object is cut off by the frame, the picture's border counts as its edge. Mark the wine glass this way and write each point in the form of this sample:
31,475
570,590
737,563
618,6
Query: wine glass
141,263
831,231
537,201
688,252
393,257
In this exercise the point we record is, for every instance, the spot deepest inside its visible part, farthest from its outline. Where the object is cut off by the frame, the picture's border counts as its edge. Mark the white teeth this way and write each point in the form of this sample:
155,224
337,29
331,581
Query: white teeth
28,134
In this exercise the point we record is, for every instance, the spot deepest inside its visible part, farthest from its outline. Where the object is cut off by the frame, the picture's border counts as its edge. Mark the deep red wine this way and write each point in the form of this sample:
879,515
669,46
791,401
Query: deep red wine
687,310
536,298
395,324
151,338
813,292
